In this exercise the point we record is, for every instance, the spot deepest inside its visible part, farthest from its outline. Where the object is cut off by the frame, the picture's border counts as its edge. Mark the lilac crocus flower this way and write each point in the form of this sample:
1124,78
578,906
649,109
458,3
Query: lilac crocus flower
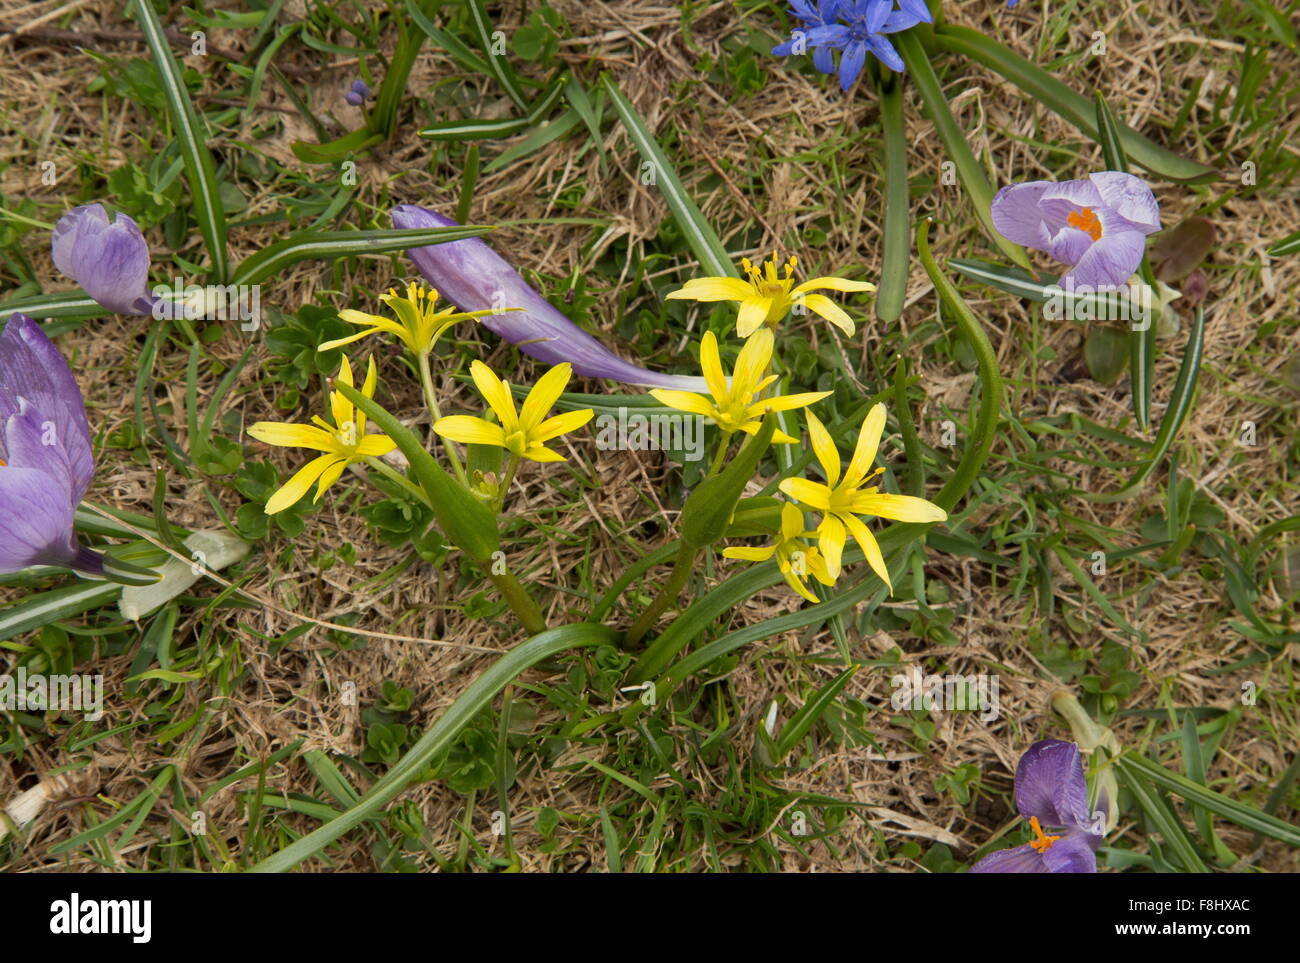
45,455
862,27
1052,794
1098,225
108,258
473,277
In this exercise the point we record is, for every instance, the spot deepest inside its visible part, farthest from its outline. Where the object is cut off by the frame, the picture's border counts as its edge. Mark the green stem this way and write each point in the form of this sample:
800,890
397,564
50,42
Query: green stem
723,444
431,399
393,475
511,468
520,602
667,595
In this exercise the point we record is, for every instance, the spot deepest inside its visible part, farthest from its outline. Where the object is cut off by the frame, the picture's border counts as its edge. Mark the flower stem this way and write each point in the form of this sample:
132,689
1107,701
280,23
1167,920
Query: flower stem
393,475
667,595
723,444
431,399
511,468
520,602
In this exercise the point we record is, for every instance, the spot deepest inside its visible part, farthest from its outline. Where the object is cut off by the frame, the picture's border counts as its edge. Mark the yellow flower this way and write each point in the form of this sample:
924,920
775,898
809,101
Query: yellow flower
841,501
766,297
740,407
523,433
418,325
794,557
344,442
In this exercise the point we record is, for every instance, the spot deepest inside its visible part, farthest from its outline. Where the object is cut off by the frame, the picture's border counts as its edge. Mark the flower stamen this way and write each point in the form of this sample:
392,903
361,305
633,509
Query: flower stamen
1086,221
1041,842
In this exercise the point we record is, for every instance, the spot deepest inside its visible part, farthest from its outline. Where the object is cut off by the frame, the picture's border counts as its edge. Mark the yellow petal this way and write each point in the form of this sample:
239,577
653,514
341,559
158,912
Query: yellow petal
823,446
375,321
340,407
791,522
543,454
711,365
470,431
685,401
561,425
712,289
753,312
870,549
787,402
331,345
810,493
795,582
873,426
752,363
832,312
297,486
329,477
832,284
900,508
496,394
830,539
545,393
372,446
293,436
748,554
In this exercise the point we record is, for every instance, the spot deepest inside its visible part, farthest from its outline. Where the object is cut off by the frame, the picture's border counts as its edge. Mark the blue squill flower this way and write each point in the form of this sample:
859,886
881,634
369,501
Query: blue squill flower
46,461
1052,794
860,29
359,93
821,15
475,278
108,258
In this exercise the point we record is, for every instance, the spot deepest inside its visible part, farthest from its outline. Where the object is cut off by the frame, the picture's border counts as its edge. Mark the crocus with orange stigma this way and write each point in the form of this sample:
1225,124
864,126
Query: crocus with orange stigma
842,499
767,294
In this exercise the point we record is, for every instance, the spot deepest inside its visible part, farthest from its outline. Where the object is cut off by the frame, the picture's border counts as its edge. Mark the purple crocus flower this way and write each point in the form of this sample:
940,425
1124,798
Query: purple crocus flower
108,258
473,277
1052,794
1098,225
45,456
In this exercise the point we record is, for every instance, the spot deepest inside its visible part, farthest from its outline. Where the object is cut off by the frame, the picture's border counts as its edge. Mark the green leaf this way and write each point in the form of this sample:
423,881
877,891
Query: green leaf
1072,106
52,606
65,304
703,240
466,521
1288,245
440,736
327,245
1105,350
898,214
801,722
200,170
497,64
707,512
969,170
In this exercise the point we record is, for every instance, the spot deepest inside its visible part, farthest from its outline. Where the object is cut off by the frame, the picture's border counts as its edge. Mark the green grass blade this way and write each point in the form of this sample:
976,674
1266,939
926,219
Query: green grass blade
1069,104
440,736
703,240
54,605
327,245
192,137
898,214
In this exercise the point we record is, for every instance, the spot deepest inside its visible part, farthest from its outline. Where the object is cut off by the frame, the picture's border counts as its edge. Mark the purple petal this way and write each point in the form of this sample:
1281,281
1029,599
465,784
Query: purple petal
1050,785
824,59
35,378
473,277
1021,859
877,13
36,520
1017,217
916,9
1109,262
1070,245
1064,198
109,259
1130,198
1074,853
886,54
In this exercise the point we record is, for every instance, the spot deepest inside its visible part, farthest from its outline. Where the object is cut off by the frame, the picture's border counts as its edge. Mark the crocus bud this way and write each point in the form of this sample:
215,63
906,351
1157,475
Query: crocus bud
473,277
109,259
45,456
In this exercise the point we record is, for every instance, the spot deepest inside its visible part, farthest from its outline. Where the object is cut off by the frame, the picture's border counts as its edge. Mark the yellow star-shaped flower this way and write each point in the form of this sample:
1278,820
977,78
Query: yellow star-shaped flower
344,442
766,296
742,406
523,433
842,500
418,325
794,557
